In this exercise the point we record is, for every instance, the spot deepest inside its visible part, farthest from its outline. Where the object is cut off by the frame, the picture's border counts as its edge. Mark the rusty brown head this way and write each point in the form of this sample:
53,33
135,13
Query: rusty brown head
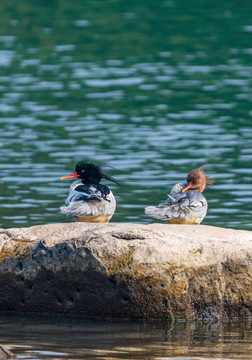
197,180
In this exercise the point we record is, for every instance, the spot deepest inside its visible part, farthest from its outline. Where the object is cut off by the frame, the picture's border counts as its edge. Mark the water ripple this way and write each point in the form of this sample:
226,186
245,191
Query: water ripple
151,113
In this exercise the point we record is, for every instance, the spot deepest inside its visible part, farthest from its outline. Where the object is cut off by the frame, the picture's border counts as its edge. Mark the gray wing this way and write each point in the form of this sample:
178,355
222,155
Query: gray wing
178,187
89,202
190,204
75,196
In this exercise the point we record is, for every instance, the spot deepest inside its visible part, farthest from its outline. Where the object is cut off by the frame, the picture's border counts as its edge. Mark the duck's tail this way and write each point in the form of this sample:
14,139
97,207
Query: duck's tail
165,211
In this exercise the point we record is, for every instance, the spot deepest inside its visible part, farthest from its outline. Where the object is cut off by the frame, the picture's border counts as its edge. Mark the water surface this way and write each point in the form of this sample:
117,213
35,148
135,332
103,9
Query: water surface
152,89
44,338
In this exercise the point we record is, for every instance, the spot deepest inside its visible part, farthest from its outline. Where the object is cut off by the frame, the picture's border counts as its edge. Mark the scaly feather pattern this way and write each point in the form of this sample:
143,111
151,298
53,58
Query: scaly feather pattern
189,207
185,203
88,200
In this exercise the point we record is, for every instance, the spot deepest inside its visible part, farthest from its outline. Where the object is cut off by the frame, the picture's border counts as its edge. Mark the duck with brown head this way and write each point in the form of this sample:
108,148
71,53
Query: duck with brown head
88,200
185,203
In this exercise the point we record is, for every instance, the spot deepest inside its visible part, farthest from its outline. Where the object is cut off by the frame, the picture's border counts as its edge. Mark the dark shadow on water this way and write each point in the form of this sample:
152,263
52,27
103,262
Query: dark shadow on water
44,337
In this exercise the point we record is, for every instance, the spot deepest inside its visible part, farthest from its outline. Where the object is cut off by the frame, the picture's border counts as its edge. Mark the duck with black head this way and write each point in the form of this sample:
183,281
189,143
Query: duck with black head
88,200
185,203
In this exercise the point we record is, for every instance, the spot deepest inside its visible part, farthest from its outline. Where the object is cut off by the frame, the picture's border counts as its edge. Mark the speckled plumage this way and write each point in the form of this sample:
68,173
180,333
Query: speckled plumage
88,200
188,208
184,204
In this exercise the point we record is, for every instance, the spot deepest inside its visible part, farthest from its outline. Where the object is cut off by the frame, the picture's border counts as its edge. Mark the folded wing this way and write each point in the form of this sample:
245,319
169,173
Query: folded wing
183,206
89,201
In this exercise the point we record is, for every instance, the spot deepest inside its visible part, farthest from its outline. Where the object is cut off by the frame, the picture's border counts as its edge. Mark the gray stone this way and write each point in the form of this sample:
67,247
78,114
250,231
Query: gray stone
127,271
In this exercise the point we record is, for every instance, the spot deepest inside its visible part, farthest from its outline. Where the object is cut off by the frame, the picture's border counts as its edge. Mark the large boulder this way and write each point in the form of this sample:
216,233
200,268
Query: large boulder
127,271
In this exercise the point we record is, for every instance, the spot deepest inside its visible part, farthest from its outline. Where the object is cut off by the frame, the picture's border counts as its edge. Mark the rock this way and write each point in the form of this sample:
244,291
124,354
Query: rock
127,271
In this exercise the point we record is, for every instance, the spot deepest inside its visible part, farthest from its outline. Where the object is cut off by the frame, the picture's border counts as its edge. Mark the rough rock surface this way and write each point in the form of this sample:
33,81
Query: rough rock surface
127,271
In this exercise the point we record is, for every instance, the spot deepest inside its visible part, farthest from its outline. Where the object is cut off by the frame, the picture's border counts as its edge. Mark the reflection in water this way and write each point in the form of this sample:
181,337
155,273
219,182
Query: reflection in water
43,338
151,90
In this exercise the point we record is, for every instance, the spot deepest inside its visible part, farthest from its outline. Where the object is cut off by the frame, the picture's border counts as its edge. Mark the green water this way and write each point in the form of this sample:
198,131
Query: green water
152,89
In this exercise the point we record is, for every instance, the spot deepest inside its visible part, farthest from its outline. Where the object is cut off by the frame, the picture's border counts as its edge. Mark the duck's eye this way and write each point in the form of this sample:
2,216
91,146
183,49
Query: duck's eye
82,171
